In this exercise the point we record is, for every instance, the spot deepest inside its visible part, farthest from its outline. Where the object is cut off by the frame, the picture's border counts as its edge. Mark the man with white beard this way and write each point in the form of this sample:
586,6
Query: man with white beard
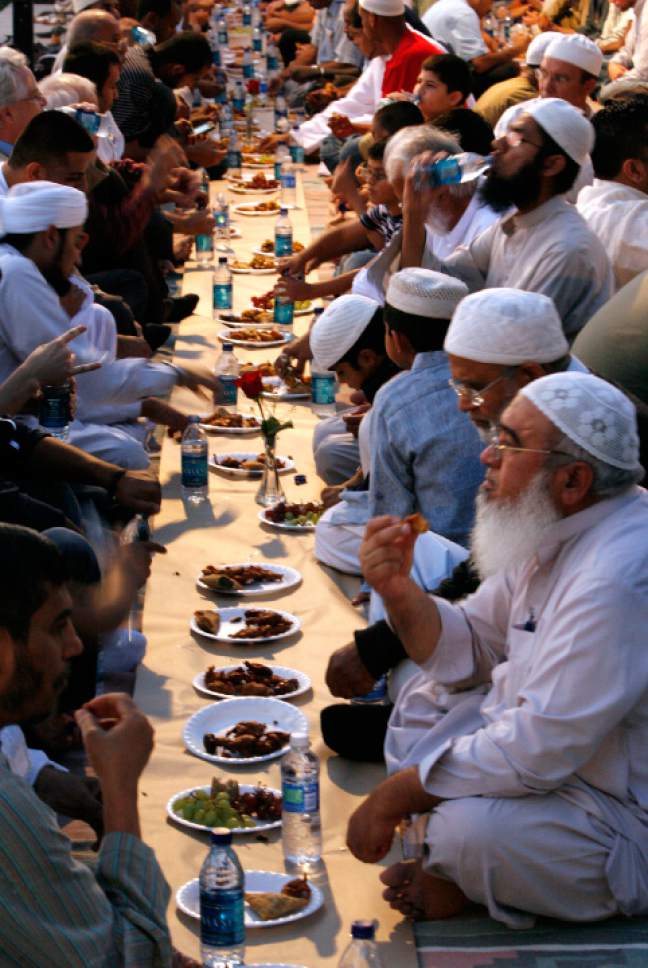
554,751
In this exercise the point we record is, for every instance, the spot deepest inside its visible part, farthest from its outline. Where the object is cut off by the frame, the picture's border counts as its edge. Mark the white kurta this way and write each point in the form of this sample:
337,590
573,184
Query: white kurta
560,645
618,215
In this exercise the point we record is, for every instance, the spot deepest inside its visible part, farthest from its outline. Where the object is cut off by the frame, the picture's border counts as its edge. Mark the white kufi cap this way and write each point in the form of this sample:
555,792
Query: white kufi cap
578,50
34,206
536,49
592,413
565,124
384,8
340,326
506,326
424,292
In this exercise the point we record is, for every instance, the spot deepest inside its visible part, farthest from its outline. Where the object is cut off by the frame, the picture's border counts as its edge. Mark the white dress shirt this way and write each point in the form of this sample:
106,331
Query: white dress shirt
456,25
618,215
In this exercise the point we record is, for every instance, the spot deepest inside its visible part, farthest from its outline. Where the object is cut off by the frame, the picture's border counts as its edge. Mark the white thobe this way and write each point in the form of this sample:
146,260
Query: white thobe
549,250
634,53
457,25
23,761
359,105
558,643
618,215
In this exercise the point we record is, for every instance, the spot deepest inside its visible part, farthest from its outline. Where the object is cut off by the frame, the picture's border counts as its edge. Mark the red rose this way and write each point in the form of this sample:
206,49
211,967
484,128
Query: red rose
253,85
250,383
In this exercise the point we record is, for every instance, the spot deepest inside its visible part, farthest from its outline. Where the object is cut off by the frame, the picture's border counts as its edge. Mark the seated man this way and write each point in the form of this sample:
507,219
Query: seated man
536,789
493,102
56,911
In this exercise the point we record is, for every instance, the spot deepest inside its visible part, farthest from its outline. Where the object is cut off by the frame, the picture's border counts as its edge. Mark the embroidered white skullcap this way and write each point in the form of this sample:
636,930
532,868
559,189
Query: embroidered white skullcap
424,292
565,124
34,206
506,326
339,327
536,49
576,49
592,413
384,8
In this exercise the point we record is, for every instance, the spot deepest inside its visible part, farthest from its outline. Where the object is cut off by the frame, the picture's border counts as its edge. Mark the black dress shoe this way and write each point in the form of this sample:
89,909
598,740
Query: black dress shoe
156,334
356,732
180,307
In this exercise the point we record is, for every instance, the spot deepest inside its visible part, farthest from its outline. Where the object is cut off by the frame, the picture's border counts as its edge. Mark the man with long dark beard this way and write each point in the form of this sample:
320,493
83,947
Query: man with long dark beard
537,790
545,245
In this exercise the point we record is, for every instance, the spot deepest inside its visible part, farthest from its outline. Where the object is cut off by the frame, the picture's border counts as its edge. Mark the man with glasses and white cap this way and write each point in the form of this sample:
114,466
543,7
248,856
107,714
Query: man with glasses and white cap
545,245
493,103
534,795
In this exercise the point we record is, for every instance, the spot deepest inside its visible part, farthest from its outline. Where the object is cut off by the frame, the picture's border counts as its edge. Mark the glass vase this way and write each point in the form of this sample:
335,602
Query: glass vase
270,490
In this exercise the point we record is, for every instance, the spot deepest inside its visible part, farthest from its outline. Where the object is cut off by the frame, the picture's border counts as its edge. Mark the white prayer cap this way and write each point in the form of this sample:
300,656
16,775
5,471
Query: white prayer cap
34,206
536,49
384,8
576,49
592,413
506,326
424,292
339,327
568,127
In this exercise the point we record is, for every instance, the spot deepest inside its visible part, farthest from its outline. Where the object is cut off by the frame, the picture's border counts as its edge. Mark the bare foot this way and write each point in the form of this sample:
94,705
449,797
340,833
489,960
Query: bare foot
419,895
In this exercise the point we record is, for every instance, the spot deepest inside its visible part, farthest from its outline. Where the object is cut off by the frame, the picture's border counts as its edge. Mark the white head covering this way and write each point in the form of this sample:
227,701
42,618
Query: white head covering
506,326
339,327
384,8
424,292
34,206
576,49
592,413
565,124
536,49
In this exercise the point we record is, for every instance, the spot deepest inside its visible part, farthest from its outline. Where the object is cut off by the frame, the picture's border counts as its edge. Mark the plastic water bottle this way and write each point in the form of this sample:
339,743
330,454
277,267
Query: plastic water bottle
257,41
248,66
222,891
55,410
451,171
295,148
234,154
363,951
272,58
323,384
194,457
227,373
280,109
238,99
222,288
141,36
282,155
223,36
300,817
204,248
283,234
288,185
221,216
284,310
247,15
226,118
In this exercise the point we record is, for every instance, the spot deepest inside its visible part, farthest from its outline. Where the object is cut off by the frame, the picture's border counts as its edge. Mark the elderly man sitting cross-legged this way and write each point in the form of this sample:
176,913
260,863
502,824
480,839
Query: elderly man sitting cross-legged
537,790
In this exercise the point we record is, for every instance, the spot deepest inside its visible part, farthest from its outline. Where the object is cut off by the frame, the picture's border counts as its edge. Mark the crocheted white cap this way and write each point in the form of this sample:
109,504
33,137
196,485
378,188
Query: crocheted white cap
34,206
424,292
339,327
506,326
576,49
536,49
384,8
592,413
565,124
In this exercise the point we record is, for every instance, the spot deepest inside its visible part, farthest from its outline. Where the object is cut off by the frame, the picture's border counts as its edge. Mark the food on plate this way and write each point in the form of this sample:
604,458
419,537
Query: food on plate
207,621
266,301
269,246
256,335
265,369
221,417
295,380
250,158
417,523
269,905
250,679
256,262
258,182
234,577
226,806
269,206
253,464
255,316
306,513
244,740
261,623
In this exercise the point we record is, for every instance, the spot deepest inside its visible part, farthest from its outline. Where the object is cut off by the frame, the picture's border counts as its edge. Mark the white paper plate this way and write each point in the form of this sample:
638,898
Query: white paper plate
283,671
227,627
224,337
215,459
233,431
234,321
283,525
282,392
261,251
256,164
244,788
290,578
239,190
221,716
188,898
246,209
238,270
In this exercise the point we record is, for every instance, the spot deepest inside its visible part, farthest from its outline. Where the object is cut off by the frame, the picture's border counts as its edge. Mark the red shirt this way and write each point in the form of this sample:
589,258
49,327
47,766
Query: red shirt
404,66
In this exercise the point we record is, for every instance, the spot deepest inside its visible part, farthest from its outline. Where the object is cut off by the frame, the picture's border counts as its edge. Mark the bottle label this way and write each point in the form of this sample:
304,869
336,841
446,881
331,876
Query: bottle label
323,388
194,470
247,19
288,180
300,797
277,170
283,244
55,408
234,158
204,243
257,44
222,922
221,217
297,154
223,37
226,392
271,62
222,295
284,311
216,57
248,70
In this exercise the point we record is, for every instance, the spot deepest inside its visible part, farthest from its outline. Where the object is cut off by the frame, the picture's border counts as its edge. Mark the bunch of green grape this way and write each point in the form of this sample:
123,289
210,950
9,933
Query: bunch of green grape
211,811
312,517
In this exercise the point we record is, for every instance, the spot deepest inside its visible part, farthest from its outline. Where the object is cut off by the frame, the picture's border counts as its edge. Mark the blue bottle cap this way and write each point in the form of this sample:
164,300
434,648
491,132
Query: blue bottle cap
220,836
300,478
366,930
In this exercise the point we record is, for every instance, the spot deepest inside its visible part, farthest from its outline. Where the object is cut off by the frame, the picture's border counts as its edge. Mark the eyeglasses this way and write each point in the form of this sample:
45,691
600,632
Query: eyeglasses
515,138
500,448
477,398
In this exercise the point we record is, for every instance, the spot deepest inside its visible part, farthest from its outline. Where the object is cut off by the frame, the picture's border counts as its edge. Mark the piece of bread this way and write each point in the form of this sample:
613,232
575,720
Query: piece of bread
208,621
417,523
268,906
